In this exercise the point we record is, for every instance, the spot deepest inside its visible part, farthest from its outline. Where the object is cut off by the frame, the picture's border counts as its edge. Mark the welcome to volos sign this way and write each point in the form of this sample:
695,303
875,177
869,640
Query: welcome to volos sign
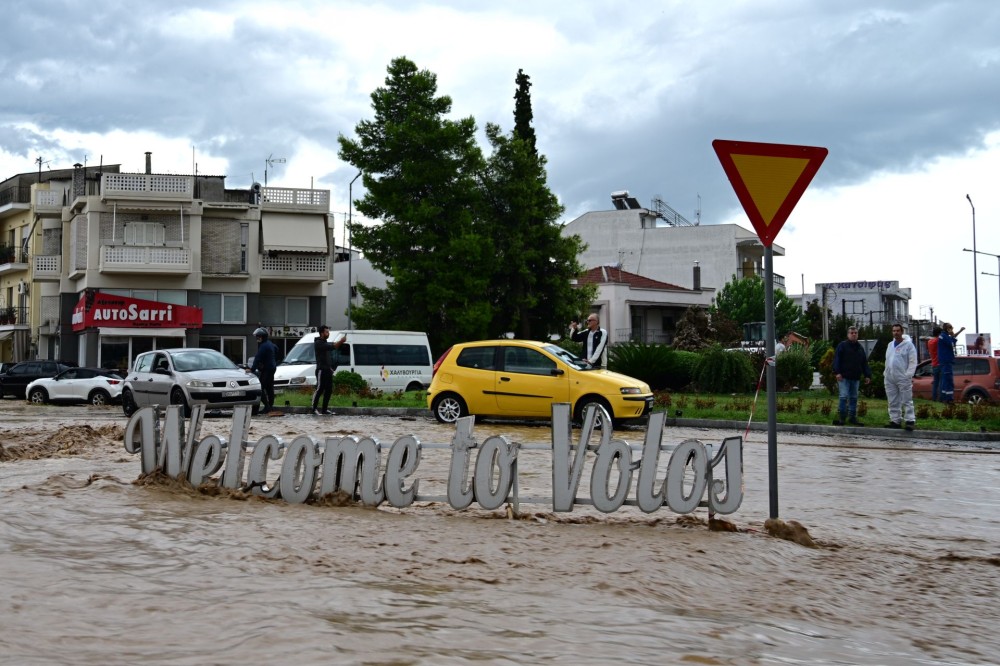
486,473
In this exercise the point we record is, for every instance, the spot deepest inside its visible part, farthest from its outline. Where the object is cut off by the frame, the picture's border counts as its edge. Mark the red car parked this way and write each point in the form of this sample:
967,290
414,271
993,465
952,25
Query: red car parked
977,379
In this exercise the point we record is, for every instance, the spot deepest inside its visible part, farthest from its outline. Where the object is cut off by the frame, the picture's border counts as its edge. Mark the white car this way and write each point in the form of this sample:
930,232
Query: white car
94,385
186,377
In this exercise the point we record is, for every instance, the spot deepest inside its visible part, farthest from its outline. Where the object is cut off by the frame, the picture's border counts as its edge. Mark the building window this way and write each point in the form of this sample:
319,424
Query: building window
145,233
233,348
297,311
224,308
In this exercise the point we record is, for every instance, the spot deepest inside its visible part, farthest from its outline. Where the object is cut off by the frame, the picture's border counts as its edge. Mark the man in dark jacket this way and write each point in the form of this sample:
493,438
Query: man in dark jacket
265,362
324,369
850,362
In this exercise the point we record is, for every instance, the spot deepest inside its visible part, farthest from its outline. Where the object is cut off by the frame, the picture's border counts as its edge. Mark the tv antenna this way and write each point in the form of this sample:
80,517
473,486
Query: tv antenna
269,163
41,162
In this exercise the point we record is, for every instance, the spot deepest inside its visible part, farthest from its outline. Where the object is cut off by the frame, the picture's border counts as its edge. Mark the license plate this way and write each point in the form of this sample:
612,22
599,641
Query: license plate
232,394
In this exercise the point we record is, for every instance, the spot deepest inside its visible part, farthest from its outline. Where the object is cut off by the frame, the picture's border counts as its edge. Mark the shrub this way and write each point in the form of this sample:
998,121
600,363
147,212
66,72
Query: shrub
646,362
658,365
817,350
721,371
793,368
826,375
346,382
876,389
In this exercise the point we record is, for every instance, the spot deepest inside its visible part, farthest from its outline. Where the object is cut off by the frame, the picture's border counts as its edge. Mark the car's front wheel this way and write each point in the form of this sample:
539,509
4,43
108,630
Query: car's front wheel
128,402
449,407
39,396
581,407
177,398
99,397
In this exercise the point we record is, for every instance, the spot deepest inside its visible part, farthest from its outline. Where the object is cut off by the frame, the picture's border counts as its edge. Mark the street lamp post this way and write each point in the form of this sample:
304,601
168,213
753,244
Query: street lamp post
350,252
975,270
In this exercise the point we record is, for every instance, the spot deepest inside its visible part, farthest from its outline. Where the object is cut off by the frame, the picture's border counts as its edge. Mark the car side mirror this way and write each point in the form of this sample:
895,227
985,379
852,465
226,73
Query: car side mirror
557,372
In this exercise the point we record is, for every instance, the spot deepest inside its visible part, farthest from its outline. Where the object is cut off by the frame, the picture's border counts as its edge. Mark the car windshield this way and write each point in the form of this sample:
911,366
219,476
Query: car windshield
568,357
201,359
303,353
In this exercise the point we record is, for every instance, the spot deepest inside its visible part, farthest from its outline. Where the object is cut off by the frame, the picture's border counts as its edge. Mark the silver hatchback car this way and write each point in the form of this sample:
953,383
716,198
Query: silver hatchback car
185,377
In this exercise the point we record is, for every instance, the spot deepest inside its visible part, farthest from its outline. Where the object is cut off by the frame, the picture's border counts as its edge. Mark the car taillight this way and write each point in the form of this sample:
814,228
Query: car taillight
437,363
114,381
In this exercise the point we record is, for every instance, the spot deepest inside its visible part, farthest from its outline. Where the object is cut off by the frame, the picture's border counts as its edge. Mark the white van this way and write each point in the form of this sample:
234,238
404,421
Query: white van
388,360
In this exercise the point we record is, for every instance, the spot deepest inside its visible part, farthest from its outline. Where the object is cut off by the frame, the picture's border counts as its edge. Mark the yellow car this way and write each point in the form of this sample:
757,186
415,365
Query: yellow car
522,378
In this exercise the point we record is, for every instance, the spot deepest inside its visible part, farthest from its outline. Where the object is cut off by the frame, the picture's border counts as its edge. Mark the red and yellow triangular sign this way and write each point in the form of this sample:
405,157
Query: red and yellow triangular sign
769,179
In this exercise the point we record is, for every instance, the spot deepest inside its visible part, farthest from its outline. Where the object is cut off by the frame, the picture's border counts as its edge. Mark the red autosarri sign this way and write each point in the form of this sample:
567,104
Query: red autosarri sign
96,309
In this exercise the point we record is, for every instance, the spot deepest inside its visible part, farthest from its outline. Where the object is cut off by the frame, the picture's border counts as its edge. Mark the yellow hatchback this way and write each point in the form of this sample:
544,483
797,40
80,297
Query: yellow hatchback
522,378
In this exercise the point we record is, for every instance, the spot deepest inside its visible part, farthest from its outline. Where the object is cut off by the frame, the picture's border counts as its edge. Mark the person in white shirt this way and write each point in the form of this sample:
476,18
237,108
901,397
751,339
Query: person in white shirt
594,339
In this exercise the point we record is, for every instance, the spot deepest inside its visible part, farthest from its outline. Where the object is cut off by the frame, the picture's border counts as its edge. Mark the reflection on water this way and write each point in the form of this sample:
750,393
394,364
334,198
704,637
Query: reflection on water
99,570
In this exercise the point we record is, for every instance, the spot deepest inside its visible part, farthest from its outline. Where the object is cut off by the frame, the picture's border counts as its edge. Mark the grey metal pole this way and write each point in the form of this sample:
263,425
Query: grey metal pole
772,397
350,252
975,270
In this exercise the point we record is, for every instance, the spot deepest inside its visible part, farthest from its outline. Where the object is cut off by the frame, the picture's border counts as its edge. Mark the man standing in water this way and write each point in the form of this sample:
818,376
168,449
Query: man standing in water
324,369
900,363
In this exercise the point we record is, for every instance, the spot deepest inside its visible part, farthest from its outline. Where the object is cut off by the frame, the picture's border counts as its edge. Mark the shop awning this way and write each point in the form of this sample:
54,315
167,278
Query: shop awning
284,232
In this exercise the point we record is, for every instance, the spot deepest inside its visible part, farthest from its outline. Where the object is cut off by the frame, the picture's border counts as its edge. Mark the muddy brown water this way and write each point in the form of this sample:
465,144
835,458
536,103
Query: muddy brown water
97,569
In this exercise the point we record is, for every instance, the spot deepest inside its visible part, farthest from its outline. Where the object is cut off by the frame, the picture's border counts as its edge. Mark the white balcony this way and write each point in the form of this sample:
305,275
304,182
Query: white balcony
48,201
145,259
280,266
46,268
147,186
295,199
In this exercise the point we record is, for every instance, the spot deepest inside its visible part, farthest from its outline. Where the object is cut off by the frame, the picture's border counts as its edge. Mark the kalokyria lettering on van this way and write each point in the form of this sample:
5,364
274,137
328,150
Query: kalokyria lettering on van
483,473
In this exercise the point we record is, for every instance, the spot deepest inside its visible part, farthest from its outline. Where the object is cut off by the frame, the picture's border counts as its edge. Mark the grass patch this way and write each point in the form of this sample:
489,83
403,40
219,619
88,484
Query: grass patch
819,408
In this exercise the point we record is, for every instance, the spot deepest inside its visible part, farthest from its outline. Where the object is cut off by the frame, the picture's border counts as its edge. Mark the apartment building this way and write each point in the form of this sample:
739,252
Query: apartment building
116,264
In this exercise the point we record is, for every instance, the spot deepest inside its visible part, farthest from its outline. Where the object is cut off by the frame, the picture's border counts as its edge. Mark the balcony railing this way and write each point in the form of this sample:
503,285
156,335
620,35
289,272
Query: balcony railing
16,194
147,186
49,201
12,259
281,266
290,198
145,259
46,267
640,335
779,280
13,316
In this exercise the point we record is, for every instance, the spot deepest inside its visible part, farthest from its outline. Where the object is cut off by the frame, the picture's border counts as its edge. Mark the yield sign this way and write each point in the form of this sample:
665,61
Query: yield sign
769,179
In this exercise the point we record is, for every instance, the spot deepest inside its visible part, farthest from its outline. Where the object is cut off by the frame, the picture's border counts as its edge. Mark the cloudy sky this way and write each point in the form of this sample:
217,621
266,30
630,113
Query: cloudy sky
903,94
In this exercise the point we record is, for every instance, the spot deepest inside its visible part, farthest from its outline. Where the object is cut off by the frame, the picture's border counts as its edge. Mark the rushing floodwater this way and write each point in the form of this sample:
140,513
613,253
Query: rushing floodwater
97,569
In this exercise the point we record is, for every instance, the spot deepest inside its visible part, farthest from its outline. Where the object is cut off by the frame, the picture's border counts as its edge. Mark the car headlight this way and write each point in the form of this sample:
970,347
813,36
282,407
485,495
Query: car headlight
199,383
297,380
631,390
253,381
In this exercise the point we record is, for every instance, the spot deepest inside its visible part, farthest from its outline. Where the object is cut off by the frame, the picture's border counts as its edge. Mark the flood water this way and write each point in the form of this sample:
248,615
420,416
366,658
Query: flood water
97,569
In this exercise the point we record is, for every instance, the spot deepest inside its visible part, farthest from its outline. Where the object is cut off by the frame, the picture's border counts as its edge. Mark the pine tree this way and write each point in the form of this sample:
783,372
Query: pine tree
420,179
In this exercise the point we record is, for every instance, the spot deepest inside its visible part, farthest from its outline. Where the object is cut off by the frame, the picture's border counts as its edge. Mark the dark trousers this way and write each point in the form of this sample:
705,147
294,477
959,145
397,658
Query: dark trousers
946,390
267,388
936,383
324,387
